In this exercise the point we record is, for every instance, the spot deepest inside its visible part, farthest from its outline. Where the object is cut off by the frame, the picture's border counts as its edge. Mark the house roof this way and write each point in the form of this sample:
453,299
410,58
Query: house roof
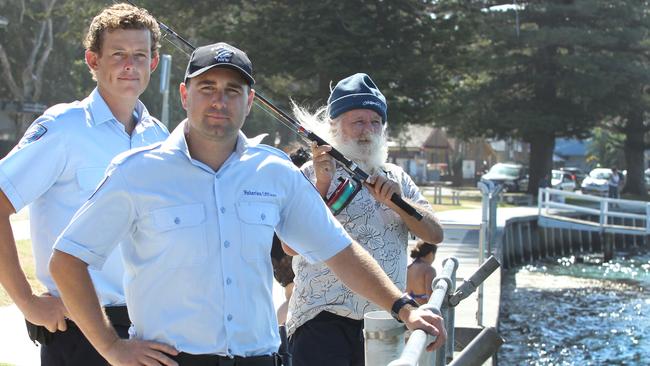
570,147
412,136
419,136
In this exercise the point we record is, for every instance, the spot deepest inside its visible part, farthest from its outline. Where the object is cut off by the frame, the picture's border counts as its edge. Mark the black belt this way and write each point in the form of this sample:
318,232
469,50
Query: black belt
186,359
118,315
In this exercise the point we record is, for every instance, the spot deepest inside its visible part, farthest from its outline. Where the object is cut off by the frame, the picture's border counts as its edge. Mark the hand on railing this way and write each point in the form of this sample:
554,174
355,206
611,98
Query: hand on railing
427,321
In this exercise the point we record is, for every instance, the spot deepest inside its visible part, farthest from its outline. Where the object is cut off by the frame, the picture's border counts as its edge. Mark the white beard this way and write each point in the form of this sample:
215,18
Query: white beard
370,151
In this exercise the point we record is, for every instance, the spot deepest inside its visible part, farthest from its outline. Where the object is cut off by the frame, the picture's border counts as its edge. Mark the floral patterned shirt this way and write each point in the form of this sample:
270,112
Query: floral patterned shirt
374,226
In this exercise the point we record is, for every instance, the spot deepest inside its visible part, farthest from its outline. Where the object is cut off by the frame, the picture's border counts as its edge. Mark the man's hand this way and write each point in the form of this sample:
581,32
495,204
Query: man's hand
134,352
382,188
46,310
432,324
324,167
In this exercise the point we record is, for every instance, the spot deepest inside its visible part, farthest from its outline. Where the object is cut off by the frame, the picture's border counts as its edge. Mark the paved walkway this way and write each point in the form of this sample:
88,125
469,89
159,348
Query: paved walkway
16,349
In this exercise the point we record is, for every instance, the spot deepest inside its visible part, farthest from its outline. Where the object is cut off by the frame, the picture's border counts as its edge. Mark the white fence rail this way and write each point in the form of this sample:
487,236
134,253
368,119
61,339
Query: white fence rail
614,215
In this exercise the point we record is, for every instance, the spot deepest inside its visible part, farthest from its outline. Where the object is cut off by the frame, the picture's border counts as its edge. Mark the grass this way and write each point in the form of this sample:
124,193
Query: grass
27,263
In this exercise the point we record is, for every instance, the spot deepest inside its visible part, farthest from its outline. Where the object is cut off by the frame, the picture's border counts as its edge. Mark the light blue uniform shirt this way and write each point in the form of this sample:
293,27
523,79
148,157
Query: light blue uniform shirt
199,273
57,166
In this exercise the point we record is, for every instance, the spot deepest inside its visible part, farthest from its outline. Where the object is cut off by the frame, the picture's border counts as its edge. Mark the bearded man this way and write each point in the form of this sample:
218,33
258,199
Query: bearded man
325,320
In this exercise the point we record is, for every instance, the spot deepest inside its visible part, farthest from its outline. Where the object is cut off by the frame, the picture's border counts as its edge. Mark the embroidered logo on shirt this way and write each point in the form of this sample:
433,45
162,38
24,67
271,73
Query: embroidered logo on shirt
259,194
34,133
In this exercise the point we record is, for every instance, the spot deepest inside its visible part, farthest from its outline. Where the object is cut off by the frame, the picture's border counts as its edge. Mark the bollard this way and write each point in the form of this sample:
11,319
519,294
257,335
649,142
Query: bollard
384,337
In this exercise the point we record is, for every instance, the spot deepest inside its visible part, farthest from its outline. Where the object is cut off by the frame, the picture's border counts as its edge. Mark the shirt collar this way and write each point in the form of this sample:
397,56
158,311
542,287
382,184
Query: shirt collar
177,141
102,113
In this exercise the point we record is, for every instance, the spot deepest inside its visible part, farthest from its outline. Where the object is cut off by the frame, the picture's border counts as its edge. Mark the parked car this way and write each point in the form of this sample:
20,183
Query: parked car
563,180
513,177
578,174
596,182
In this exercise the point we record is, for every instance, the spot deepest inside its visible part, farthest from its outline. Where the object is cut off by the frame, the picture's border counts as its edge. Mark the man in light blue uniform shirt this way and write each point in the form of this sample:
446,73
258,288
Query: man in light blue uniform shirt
60,161
198,213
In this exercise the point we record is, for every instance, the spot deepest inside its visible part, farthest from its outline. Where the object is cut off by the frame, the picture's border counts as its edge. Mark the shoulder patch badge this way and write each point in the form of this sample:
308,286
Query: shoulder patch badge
34,133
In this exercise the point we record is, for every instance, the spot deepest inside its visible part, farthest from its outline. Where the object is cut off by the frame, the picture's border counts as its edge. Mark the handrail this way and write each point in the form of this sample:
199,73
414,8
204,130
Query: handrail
441,299
608,208
418,340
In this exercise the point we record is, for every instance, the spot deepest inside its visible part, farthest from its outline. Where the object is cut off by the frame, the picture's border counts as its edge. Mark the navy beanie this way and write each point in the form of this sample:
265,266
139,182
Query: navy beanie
356,92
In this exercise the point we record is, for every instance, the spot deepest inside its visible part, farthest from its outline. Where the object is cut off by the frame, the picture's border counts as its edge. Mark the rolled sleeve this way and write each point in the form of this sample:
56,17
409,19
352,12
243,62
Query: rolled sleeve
101,223
11,192
308,226
80,251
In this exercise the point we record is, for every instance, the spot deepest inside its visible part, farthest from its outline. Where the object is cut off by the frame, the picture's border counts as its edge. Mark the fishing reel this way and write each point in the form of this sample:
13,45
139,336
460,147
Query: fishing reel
344,193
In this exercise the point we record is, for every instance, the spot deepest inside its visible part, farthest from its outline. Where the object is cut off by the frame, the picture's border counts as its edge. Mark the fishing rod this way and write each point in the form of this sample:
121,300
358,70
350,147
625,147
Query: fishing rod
346,191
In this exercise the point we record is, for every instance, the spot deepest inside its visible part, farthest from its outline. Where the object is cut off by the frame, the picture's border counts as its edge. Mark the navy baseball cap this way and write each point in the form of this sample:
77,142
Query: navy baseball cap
219,54
356,92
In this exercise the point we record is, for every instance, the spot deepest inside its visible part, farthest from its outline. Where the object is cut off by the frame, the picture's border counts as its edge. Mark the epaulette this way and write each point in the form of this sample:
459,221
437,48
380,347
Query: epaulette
124,156
273,150
62,108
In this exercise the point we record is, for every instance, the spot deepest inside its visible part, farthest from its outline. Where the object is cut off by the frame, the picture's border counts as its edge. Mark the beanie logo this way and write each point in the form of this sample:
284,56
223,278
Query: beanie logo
371,102
223,55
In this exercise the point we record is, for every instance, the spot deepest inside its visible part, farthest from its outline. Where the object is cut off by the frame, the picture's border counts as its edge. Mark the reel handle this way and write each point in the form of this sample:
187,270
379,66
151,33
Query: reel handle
362,176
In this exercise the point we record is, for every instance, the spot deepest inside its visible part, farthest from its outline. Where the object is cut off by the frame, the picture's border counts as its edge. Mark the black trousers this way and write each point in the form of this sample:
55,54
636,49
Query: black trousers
186,359
328,340
71,348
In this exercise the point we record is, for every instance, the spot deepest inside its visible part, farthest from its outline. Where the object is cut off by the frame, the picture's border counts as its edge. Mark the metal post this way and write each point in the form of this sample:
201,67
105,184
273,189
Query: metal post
479,349
165,73
384,337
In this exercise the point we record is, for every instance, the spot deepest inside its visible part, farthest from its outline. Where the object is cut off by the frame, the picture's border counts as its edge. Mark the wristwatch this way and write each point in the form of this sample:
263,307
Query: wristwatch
405,299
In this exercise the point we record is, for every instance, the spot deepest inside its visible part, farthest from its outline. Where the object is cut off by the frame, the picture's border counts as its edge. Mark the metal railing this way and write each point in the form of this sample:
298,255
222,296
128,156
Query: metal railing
615,215
443,301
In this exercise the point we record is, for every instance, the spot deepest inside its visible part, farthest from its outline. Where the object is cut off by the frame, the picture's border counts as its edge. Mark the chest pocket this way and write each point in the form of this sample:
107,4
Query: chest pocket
180,235
258,221
89,178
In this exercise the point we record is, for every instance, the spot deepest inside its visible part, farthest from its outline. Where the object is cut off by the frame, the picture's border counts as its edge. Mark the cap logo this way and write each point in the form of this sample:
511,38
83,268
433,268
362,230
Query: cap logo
223,55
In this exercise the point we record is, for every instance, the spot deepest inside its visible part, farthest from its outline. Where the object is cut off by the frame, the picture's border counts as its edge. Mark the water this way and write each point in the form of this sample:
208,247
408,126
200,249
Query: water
569,312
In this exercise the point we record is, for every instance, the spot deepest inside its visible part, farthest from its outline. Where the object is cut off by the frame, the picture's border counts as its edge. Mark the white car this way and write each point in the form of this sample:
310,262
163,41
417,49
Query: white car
596,182
563,180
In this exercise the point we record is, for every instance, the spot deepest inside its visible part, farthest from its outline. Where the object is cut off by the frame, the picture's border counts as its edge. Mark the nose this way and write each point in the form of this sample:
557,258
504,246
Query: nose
218,99
128,62
367,126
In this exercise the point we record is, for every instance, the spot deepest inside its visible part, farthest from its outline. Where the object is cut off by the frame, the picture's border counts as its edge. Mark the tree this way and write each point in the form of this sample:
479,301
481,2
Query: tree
299,48
623,61
537,74
23,63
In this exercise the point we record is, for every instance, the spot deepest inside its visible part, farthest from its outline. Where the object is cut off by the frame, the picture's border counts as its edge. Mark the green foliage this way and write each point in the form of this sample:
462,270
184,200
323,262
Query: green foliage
605,148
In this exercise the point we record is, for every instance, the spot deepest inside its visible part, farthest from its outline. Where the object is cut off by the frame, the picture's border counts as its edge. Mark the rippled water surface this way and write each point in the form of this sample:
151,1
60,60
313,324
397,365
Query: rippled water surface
569,312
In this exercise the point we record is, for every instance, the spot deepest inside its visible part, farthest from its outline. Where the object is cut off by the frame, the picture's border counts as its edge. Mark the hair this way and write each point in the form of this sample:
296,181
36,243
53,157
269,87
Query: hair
121,16
422,249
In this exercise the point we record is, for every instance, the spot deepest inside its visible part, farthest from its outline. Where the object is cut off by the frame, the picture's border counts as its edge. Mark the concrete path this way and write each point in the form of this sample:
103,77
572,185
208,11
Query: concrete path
16,349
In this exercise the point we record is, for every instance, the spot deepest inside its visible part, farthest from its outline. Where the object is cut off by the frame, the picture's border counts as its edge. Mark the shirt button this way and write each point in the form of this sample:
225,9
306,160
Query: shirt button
226,244
177,220
223,210
263,216
229,317
228,281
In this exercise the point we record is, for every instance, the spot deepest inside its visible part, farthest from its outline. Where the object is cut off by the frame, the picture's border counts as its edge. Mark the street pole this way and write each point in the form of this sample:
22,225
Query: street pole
165,73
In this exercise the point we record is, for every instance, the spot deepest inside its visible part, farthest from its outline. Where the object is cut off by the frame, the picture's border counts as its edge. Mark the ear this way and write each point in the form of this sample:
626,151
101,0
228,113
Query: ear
182,89
250,99
91,59
154,61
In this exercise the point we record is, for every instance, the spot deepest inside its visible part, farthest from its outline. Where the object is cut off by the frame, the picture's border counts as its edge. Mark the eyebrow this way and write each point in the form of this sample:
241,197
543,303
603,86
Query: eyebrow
228,84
